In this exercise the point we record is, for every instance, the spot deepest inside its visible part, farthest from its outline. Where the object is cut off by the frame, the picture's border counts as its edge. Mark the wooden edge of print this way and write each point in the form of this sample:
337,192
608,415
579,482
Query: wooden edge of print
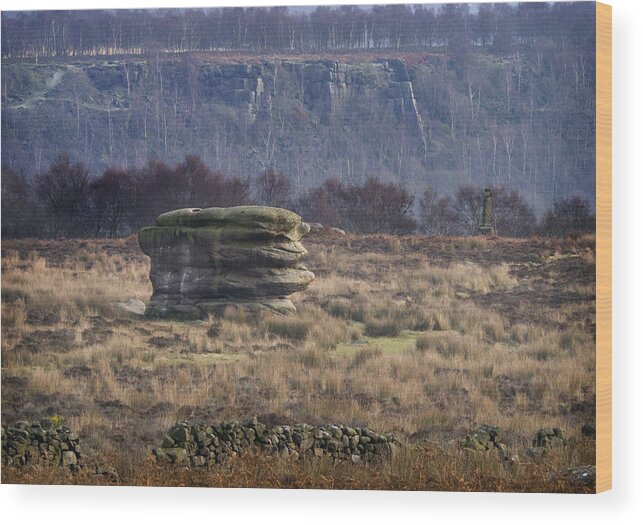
603,247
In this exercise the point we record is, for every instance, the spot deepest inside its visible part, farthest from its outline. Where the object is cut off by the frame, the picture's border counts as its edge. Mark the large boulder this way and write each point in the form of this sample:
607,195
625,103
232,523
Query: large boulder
204,260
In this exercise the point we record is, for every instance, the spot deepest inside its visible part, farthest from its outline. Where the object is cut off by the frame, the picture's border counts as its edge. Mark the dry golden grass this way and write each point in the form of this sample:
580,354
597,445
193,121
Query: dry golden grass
425,341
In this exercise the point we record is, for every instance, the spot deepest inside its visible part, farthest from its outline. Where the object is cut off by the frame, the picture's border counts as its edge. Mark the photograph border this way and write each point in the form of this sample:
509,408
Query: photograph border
603,247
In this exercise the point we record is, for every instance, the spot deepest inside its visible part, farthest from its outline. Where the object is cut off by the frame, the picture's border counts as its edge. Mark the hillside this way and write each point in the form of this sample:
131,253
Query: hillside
525,120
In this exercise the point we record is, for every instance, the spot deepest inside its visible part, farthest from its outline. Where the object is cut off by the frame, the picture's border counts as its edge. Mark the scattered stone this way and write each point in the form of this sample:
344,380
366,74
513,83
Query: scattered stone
108,473
180,433
133,306
584,476
68,457
204,260
535,452
549,438
487,438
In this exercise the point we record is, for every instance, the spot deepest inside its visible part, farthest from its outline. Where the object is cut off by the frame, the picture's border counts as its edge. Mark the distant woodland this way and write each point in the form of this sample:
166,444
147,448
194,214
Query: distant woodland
500,27
387,119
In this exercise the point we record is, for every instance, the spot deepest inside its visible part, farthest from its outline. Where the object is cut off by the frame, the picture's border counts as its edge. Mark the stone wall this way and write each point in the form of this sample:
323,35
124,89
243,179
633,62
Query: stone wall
201,445
45,442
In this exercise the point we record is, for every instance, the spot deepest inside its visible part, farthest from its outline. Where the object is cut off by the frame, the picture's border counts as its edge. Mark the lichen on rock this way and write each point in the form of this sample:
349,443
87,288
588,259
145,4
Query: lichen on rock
44,442
204,260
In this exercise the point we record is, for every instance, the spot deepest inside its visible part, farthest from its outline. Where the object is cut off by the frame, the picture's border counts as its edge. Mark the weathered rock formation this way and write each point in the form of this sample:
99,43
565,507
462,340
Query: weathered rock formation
204,260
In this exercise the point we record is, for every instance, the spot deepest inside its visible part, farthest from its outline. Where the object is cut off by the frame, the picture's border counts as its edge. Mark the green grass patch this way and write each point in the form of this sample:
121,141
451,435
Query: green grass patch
388,345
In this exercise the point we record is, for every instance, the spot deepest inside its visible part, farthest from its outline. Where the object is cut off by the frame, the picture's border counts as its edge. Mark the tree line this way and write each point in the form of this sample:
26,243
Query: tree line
259,29
64,201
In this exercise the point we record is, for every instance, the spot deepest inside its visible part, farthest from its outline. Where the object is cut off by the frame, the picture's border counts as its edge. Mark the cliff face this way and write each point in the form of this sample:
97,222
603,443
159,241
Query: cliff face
429,123
238,86
327,88
330,88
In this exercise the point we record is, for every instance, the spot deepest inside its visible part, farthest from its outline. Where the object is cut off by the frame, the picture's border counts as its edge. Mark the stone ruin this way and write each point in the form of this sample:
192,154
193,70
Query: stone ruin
204,260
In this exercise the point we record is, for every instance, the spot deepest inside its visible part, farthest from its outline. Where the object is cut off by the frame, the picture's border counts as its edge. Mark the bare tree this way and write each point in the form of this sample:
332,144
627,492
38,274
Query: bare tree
438,215
21,216
272,188
374,207
568,216
111,197
468,202
511,215
63,190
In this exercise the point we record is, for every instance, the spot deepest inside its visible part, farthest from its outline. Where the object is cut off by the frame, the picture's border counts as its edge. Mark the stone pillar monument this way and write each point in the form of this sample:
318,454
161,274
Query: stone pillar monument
485,228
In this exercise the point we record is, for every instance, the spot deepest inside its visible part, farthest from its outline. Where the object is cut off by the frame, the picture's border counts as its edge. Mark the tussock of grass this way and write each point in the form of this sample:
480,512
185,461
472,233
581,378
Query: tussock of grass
422,343
346,309
362,356
453,345
289,328
387,327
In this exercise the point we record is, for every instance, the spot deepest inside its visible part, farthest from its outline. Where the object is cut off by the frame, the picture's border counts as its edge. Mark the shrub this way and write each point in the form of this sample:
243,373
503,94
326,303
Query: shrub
567,216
